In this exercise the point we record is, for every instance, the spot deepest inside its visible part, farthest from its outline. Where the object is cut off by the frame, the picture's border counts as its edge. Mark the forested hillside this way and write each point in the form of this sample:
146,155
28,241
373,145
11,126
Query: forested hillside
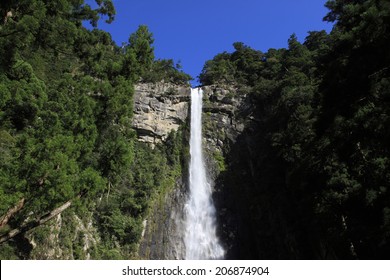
310,177
66,103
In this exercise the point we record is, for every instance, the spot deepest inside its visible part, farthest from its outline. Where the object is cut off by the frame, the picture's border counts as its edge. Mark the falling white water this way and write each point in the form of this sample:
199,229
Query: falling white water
201,241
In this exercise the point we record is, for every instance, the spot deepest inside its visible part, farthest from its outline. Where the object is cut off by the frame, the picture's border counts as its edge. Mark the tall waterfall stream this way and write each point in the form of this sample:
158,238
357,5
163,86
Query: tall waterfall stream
200,240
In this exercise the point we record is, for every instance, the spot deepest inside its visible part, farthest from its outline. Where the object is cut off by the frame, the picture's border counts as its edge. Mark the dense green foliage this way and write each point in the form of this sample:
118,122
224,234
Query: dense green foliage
140,60
65,117
319,148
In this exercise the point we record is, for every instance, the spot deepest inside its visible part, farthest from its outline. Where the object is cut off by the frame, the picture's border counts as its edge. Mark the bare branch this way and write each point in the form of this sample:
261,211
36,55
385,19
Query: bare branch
37,222
11,212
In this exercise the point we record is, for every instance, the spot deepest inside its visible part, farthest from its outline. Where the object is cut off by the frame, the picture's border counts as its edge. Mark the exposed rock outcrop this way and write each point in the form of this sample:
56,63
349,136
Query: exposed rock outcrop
66,237
226,113
159,108
162,238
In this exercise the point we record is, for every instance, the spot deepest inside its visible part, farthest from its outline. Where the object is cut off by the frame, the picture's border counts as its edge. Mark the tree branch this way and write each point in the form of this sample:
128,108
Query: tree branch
37,222
11,212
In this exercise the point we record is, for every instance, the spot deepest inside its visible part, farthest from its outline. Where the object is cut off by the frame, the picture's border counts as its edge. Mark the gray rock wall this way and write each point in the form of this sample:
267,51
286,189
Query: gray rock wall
158,109
162,238
226,113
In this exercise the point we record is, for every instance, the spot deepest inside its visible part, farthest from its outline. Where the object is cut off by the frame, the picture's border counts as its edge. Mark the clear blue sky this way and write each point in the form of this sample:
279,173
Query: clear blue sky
194,31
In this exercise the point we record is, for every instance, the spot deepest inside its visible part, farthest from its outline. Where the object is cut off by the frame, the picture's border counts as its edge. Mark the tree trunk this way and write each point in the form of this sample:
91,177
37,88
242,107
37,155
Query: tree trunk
11,212
37,222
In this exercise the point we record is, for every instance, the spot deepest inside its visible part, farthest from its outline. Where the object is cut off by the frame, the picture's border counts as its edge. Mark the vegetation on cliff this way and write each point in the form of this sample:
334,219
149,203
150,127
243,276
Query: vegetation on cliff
316,158
65,117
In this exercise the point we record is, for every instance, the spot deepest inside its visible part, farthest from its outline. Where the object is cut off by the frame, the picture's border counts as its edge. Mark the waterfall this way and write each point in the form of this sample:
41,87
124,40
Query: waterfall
201,241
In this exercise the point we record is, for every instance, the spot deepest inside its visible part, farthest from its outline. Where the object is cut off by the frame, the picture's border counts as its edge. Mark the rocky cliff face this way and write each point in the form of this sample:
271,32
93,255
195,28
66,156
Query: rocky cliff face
162,238
227,117
226,112
244,201
257,215
66,237
219,119
158,109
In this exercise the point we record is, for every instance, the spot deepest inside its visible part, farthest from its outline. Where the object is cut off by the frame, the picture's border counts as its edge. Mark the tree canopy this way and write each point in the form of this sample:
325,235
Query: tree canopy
66,104
321,130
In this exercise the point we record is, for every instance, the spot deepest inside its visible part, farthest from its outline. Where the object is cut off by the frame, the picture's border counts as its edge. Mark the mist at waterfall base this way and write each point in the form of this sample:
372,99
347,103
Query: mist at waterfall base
201,241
